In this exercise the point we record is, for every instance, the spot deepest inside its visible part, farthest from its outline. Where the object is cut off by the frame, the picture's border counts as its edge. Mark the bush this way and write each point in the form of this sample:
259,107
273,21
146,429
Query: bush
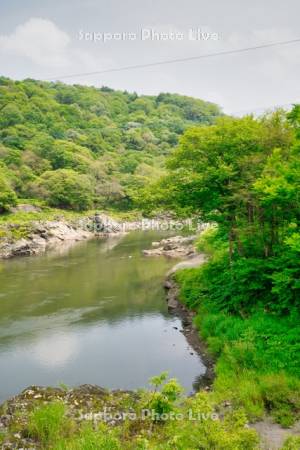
8,197
190,423
65,188
292,443
258,366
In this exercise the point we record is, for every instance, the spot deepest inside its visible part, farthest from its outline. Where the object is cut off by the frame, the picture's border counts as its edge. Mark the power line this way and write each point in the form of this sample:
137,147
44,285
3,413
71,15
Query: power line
178,60
263,108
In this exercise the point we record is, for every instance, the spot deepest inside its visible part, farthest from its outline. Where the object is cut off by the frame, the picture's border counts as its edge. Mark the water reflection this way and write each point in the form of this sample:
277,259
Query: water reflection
94,313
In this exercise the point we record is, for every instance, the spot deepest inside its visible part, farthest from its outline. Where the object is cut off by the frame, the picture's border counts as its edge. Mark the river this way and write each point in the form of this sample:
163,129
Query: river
92,313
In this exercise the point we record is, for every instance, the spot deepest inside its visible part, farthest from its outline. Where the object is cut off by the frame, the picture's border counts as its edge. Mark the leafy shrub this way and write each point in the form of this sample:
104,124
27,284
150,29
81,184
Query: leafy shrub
163,401
8,197
64,188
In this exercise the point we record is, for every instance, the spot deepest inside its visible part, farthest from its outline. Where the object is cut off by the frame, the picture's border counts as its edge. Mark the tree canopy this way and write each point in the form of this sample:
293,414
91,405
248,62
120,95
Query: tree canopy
242,174
110,136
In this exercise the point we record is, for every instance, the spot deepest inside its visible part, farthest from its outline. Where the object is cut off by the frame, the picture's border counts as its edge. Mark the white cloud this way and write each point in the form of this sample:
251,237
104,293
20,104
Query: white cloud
54,351
40,40
51,50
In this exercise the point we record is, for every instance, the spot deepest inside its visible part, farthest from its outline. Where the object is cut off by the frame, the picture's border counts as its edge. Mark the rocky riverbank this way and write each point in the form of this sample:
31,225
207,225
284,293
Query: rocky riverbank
183,247
186,315
41,235
26,236
83,404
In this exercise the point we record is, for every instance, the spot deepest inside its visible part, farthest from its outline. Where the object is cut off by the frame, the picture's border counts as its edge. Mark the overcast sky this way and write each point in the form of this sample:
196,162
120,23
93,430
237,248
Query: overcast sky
51,38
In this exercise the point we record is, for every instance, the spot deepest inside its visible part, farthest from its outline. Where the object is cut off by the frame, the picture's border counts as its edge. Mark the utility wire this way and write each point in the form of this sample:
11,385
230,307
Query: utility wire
178,60
263,108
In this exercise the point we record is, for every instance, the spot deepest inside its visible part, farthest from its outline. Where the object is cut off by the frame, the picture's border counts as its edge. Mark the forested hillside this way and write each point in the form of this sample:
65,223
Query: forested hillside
76,147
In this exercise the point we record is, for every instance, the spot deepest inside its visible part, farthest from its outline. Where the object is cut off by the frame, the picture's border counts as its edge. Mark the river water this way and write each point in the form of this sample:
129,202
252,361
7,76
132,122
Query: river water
94,313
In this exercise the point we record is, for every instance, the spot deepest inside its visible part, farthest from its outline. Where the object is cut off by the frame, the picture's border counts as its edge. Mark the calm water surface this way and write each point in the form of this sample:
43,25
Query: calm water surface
93,313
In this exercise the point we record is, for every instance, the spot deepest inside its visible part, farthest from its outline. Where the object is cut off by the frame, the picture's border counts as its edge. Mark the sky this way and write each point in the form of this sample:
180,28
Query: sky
50,40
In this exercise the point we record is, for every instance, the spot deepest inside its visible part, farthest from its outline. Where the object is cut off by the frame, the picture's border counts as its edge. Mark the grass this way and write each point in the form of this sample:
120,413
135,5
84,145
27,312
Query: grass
49,423
292,443
201,422
52,427
90,439
258,356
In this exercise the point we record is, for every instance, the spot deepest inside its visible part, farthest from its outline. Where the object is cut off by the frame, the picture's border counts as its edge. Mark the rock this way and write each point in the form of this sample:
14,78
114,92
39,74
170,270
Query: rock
101,223
155,244
167,284
21,248
25,208
194,260
174,247
41,236
90,389
172,301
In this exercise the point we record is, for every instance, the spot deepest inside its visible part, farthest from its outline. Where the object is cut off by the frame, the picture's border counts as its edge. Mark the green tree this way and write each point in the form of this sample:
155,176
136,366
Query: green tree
64,188
55,126
8,197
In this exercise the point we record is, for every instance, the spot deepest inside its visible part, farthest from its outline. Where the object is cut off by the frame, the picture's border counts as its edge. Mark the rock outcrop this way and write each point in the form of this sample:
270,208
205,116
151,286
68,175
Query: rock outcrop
44,235
41,235
174,247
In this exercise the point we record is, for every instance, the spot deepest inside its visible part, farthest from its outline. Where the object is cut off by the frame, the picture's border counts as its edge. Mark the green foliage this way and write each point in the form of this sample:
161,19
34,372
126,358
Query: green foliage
243,175
8,197
65,188
90,439
292,443
230,434
163,401
119,139
248,304
193,425
244,284
48,423
258,354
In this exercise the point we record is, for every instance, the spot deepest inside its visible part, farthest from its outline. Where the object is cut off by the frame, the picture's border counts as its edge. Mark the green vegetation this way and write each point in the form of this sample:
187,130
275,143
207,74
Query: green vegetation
20,224
243,175
258,358
158,419
76,147
8,197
